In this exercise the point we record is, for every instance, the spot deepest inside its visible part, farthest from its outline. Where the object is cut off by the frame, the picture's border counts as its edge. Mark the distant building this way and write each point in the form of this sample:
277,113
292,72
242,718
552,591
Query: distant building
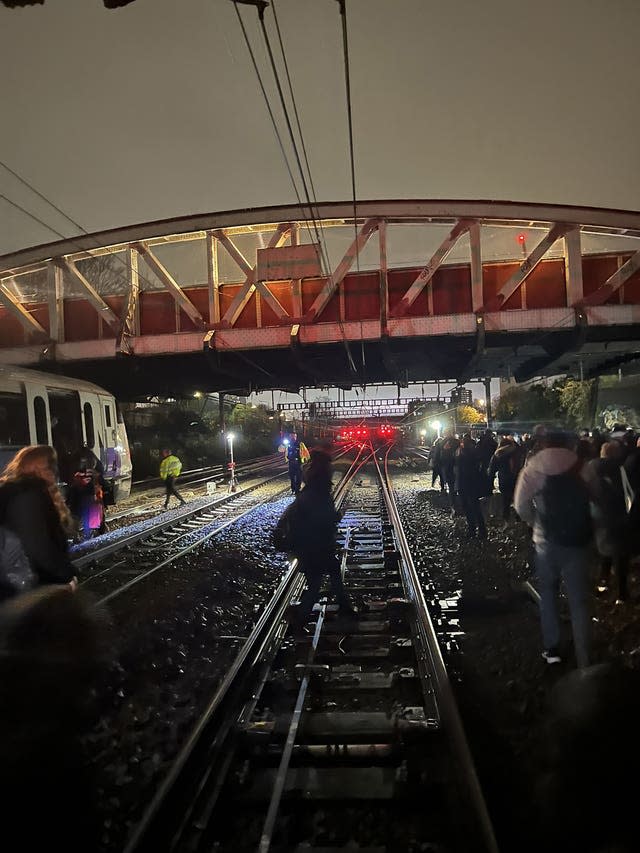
461,396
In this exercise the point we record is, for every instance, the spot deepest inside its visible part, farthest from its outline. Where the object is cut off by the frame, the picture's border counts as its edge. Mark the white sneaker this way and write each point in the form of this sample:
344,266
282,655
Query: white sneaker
551,656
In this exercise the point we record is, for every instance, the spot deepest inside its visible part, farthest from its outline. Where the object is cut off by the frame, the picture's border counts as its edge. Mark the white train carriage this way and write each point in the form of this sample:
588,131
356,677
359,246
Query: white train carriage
44,408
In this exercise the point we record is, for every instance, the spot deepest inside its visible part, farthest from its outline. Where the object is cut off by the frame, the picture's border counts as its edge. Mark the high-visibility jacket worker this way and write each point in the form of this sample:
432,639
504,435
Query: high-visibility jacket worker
170,469
297,455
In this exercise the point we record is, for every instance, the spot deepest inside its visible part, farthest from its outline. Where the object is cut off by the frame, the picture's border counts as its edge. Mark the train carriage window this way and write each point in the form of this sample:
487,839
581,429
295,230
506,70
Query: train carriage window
14,423
107,415
88,425
40,412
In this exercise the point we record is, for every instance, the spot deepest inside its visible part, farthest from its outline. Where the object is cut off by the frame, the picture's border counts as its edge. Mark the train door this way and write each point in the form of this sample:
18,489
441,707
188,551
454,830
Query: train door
92,423
110,458
38,413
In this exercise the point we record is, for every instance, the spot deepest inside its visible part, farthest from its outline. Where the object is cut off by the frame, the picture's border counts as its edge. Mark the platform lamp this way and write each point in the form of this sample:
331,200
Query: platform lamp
233,485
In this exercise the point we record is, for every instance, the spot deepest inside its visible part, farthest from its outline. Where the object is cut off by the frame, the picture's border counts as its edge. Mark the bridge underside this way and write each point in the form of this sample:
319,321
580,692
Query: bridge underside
241,302
354,363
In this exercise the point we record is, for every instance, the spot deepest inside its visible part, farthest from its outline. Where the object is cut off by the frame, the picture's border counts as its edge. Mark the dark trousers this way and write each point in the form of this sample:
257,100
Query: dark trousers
436,474
506,493
314,568
473,512
170,489
448,476
620,566
295,475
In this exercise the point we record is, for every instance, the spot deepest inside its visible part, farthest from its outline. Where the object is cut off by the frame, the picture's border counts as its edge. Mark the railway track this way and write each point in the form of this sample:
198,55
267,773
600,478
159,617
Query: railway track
348,738
196,477
113,568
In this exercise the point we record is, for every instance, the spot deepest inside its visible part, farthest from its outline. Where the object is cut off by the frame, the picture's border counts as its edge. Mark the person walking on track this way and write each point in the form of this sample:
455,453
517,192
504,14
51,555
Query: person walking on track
170,469
553,498
297,455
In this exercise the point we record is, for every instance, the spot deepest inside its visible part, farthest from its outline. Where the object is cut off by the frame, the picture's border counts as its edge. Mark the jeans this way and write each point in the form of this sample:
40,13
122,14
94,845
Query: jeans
473,512
170,489
295,476
571,565
314,568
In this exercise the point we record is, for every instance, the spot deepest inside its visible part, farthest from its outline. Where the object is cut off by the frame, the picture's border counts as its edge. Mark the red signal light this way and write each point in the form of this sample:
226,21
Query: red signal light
522,238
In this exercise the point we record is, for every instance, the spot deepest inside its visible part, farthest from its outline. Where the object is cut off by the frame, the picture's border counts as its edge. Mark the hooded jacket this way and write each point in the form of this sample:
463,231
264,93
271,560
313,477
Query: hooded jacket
547,462
506,463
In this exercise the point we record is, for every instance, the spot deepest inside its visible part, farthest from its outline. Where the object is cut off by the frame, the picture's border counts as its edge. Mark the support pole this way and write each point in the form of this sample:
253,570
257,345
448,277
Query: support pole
487,399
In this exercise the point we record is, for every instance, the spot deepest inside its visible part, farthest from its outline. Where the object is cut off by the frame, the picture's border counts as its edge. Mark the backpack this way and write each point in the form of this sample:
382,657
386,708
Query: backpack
284,535
16,574
564,510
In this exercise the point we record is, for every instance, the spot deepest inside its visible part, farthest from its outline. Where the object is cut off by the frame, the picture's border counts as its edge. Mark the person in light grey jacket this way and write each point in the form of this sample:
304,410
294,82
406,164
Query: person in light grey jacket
552,497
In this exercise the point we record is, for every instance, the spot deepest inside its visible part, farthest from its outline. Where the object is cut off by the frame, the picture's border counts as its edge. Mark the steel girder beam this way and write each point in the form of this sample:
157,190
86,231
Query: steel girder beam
384,276
179,296
213,279
527,266
130,317
15,307
103,310
55,298
614,282
245,293
336,278
477,295
573,266
427,273
416,210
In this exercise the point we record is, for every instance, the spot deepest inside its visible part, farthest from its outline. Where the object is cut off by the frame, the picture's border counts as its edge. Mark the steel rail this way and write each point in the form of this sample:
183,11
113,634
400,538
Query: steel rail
444,692
215,470
125,541
166,817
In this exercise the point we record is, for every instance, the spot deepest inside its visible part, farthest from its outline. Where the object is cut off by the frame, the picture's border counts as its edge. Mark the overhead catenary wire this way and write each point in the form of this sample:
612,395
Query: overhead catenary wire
276,130
260,9
347,81
111,252
301,135
292,138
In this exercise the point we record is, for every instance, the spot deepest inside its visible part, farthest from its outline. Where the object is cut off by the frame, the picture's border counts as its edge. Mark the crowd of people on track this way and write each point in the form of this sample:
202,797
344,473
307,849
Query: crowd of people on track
579,494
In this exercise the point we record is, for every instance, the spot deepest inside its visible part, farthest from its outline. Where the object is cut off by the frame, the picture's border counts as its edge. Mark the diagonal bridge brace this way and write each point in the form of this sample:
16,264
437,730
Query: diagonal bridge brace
527,267
179,296
613,283
428,272
17,309
337,277
250,285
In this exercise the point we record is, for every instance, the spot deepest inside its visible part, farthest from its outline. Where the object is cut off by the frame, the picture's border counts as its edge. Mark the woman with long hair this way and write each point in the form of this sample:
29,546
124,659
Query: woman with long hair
32,508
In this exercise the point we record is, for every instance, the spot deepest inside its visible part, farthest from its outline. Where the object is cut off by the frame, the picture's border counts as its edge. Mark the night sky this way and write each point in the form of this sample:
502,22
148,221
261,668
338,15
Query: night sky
153,110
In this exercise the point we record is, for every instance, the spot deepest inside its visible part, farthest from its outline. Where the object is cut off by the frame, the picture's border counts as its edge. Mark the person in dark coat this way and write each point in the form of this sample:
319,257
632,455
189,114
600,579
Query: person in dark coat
487,446
506,463
86,494
609,512
448,450
32,508
314,521
434,458
470,483
54,647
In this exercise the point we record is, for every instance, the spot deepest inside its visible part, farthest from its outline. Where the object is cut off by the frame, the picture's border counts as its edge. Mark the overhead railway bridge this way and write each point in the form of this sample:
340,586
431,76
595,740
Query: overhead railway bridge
273,298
